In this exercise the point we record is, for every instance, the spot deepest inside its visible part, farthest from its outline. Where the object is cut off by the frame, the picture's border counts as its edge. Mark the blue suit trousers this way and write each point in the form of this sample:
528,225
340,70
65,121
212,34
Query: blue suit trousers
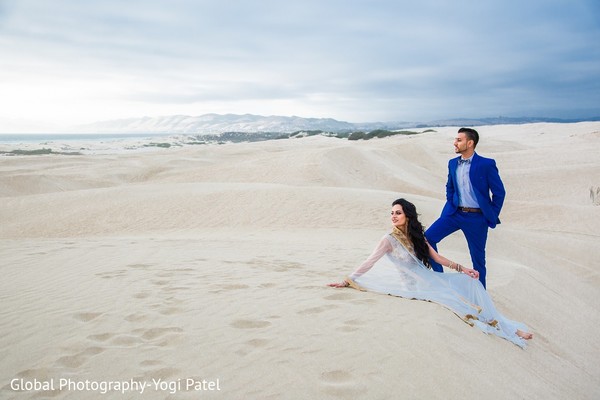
475,228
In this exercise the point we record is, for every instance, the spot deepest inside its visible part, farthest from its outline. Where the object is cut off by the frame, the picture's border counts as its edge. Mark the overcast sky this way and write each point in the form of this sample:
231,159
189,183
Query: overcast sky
65,62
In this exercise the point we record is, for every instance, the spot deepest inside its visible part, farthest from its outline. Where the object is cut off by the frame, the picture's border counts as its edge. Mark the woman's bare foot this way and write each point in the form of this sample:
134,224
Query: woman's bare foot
524,335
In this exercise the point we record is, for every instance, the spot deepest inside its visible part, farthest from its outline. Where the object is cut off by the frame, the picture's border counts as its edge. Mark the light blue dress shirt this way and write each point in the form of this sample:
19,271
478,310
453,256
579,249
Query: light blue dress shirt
466,194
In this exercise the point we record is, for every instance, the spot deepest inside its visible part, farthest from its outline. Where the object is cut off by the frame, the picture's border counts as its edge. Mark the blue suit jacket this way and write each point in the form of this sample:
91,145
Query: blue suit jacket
484,179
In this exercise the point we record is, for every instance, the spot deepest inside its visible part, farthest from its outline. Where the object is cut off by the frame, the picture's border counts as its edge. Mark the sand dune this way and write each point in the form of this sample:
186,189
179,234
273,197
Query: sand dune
211,262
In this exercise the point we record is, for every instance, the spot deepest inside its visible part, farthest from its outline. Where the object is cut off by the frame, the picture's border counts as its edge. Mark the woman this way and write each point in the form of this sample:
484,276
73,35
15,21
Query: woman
405,272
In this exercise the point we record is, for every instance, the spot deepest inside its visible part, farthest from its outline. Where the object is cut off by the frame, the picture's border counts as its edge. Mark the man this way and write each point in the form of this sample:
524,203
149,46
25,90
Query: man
469,207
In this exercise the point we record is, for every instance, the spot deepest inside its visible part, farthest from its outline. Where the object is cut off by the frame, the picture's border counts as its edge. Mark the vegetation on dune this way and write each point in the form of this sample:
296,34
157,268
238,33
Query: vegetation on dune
378,133
236,137
36,152
163,145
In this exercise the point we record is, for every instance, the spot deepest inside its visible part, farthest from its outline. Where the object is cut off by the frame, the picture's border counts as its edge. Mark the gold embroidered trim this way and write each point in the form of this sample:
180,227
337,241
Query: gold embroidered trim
354,285
401,237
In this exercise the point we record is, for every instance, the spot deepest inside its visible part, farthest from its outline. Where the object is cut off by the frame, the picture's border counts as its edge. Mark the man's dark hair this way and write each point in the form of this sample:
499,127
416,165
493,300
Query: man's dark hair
471,134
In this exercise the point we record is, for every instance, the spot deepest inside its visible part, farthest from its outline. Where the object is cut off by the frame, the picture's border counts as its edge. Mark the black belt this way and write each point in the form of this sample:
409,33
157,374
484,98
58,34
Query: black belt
470,209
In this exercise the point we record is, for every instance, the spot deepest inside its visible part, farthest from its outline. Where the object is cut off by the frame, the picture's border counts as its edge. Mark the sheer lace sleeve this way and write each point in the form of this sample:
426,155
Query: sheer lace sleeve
382,248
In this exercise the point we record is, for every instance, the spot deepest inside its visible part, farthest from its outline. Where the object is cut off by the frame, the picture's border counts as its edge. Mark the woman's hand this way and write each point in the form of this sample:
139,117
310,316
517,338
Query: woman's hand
339,284
471,272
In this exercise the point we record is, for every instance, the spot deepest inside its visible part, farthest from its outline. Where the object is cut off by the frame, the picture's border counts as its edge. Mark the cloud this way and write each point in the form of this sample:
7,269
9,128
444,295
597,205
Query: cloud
386,60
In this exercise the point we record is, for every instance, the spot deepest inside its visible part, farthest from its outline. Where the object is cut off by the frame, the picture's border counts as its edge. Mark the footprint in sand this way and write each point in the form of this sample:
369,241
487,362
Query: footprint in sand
139,266
150,363
87,316
257,342
336,376
249,324
77,360
340,383
142,295
227,287
351,325
38,373
136,317
154,333
339,296
101,337
316,310
126,340
171,311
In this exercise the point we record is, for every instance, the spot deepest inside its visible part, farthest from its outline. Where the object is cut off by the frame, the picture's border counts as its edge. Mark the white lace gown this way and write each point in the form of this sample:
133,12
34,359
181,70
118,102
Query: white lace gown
391,269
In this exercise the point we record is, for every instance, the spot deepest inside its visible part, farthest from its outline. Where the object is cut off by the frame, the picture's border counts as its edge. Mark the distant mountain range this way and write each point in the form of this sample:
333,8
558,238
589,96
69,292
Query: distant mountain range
211,124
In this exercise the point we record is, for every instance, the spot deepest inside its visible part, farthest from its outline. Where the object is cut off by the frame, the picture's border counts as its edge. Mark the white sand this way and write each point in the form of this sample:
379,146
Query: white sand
211,262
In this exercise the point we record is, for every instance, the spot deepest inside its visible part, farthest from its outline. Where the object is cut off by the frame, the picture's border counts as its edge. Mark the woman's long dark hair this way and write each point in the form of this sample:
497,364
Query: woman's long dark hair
415,230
